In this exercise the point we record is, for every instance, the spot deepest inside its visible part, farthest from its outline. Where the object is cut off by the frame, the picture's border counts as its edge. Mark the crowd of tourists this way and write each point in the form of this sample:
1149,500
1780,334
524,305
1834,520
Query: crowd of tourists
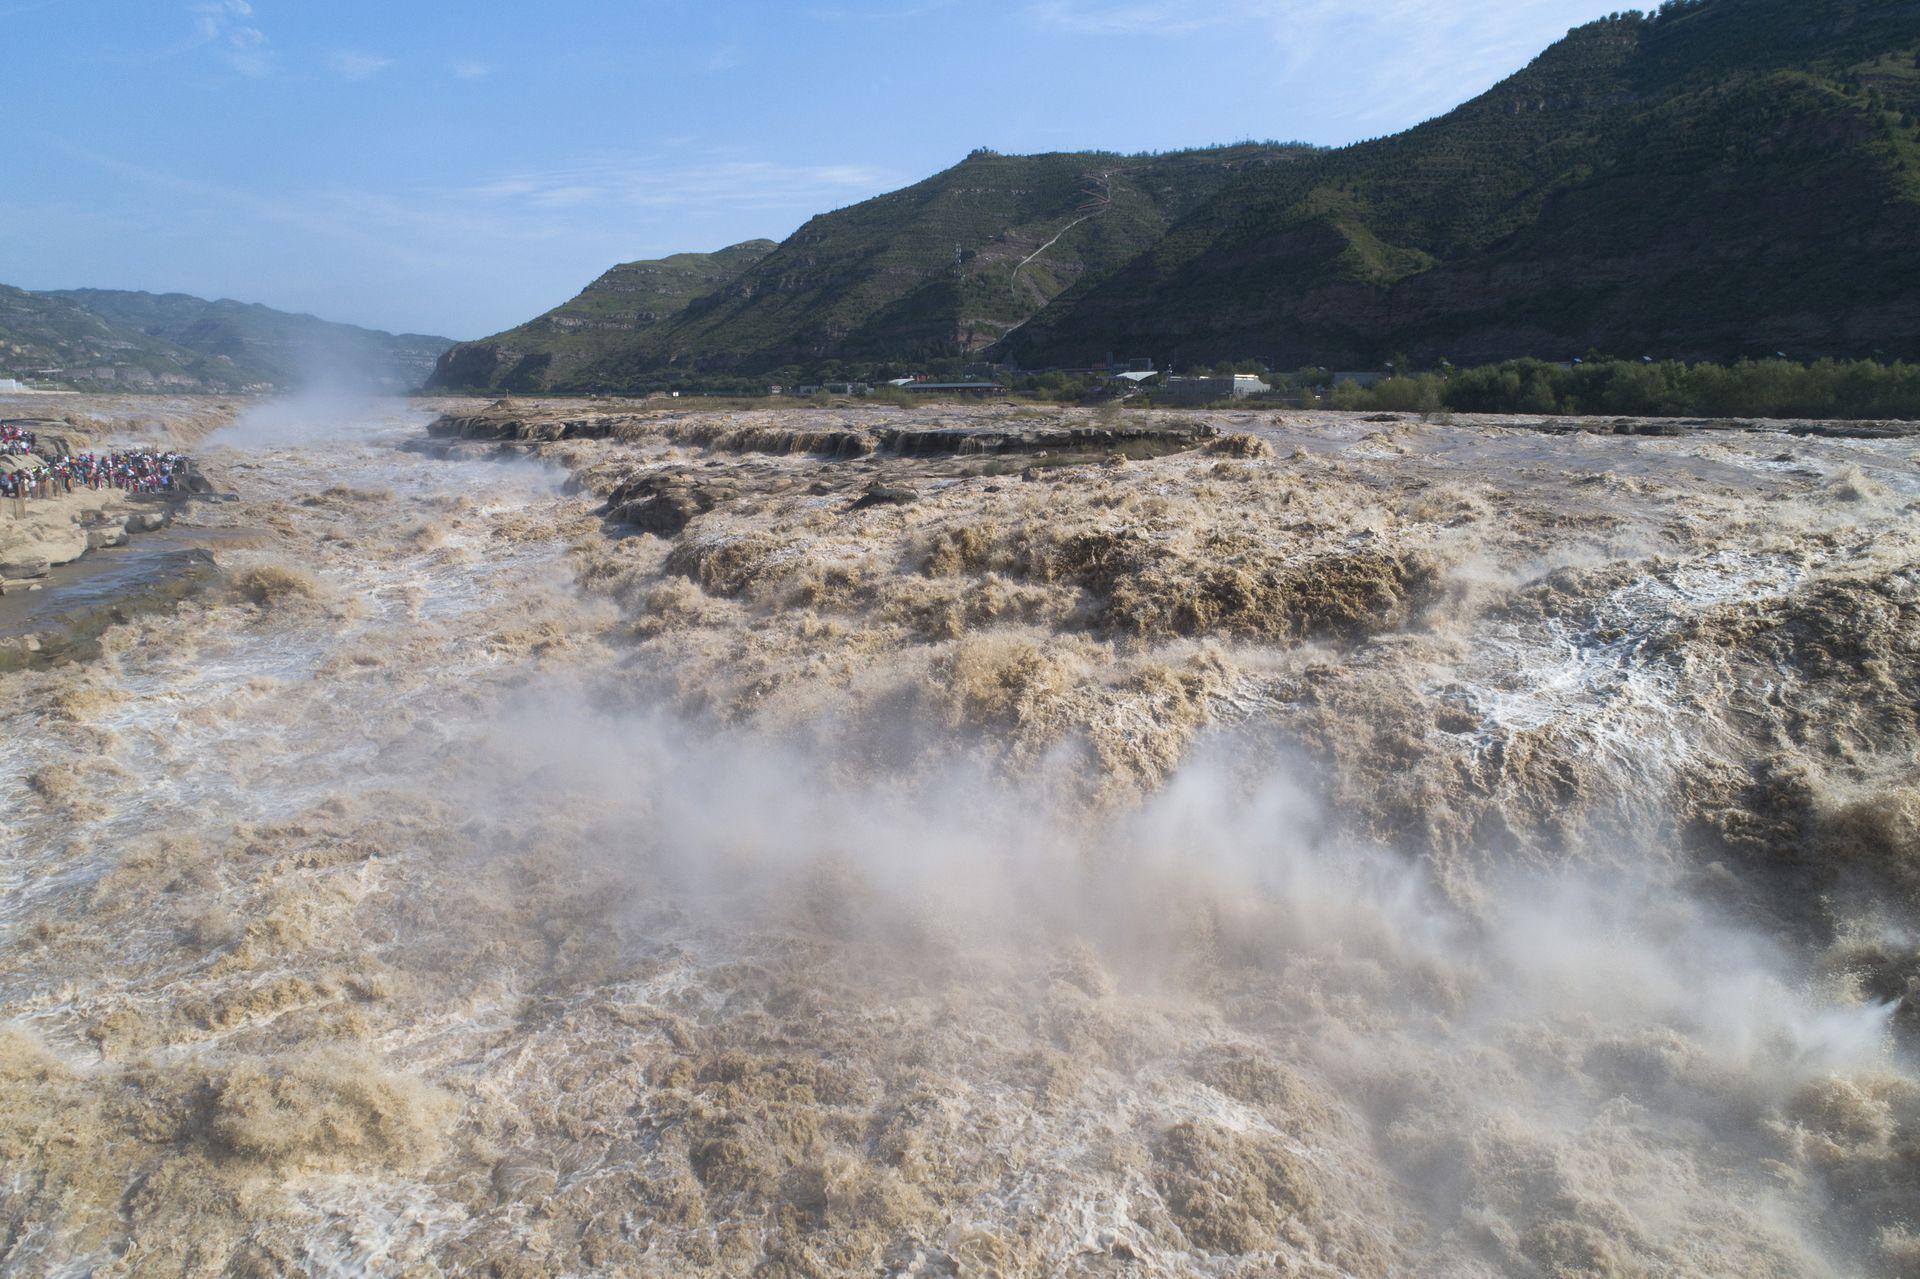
129,471
16,439
133,471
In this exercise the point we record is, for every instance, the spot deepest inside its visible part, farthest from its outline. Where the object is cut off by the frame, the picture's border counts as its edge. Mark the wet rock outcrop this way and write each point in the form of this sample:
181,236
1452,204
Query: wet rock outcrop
507,421
664,502
780,433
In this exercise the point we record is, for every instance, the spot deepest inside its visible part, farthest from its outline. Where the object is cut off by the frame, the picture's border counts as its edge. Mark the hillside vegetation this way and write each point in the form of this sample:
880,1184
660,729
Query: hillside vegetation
94,338
1825,390
944,268
1721,179
1725,178
622,311
40,334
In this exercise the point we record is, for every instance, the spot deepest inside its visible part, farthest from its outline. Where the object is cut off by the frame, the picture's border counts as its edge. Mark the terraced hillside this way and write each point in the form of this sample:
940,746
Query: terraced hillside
41,333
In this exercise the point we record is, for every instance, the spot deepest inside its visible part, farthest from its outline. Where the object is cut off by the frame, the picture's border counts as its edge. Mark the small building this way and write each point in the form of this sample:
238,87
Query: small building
8,385
1125,386
957,388
826,388
1203,390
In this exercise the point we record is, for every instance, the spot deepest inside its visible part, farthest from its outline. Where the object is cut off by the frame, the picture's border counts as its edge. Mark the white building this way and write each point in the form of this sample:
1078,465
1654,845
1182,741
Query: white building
1201,390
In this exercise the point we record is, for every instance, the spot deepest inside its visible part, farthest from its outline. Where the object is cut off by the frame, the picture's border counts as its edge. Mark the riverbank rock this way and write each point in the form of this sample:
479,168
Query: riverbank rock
23,567
508,421
664,502
51,446
879,494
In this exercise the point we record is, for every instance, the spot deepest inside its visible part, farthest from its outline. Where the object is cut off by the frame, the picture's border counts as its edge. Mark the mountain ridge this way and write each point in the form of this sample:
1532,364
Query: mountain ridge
1720,127
1718,179
573,340
128,339
942,268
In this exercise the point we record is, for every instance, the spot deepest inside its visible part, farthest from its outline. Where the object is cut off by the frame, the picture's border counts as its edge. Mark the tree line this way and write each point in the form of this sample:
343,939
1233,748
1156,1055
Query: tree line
1845,389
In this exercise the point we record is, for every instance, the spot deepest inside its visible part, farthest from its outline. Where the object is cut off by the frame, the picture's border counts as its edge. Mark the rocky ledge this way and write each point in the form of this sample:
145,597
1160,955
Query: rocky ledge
786,432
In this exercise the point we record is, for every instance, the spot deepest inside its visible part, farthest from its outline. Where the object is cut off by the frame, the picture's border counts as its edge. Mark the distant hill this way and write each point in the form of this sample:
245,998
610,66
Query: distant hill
98,338
52,337
946,267
621,312
1724,178
1721,178
263,344
951,265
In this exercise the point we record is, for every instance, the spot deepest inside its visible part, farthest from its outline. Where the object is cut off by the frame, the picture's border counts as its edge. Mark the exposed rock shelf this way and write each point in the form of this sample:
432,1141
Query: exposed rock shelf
776,431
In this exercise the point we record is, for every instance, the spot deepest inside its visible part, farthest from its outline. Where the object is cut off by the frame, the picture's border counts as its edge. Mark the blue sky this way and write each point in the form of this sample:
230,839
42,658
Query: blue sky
458,167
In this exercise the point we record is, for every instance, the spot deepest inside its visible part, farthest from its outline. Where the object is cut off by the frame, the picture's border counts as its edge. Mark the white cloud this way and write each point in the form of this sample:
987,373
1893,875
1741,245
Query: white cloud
878,13
351,64
471,70
660,182
1395,60
436,230
227,27
565,197
1137,17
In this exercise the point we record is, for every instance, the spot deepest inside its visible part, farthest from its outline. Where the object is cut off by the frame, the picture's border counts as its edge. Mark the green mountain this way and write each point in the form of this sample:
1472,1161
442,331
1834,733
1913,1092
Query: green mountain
951,265
227,345
622,311
44,336
1722,178
946,267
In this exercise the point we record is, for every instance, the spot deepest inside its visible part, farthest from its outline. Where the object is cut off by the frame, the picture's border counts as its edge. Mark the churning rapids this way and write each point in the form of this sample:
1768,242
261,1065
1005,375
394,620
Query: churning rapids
1334,849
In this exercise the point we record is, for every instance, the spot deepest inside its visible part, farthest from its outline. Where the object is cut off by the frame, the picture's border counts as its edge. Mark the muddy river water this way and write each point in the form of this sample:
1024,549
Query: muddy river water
464,886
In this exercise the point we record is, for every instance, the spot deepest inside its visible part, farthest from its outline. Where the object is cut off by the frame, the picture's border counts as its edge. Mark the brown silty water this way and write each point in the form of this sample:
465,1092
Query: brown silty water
1343,848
